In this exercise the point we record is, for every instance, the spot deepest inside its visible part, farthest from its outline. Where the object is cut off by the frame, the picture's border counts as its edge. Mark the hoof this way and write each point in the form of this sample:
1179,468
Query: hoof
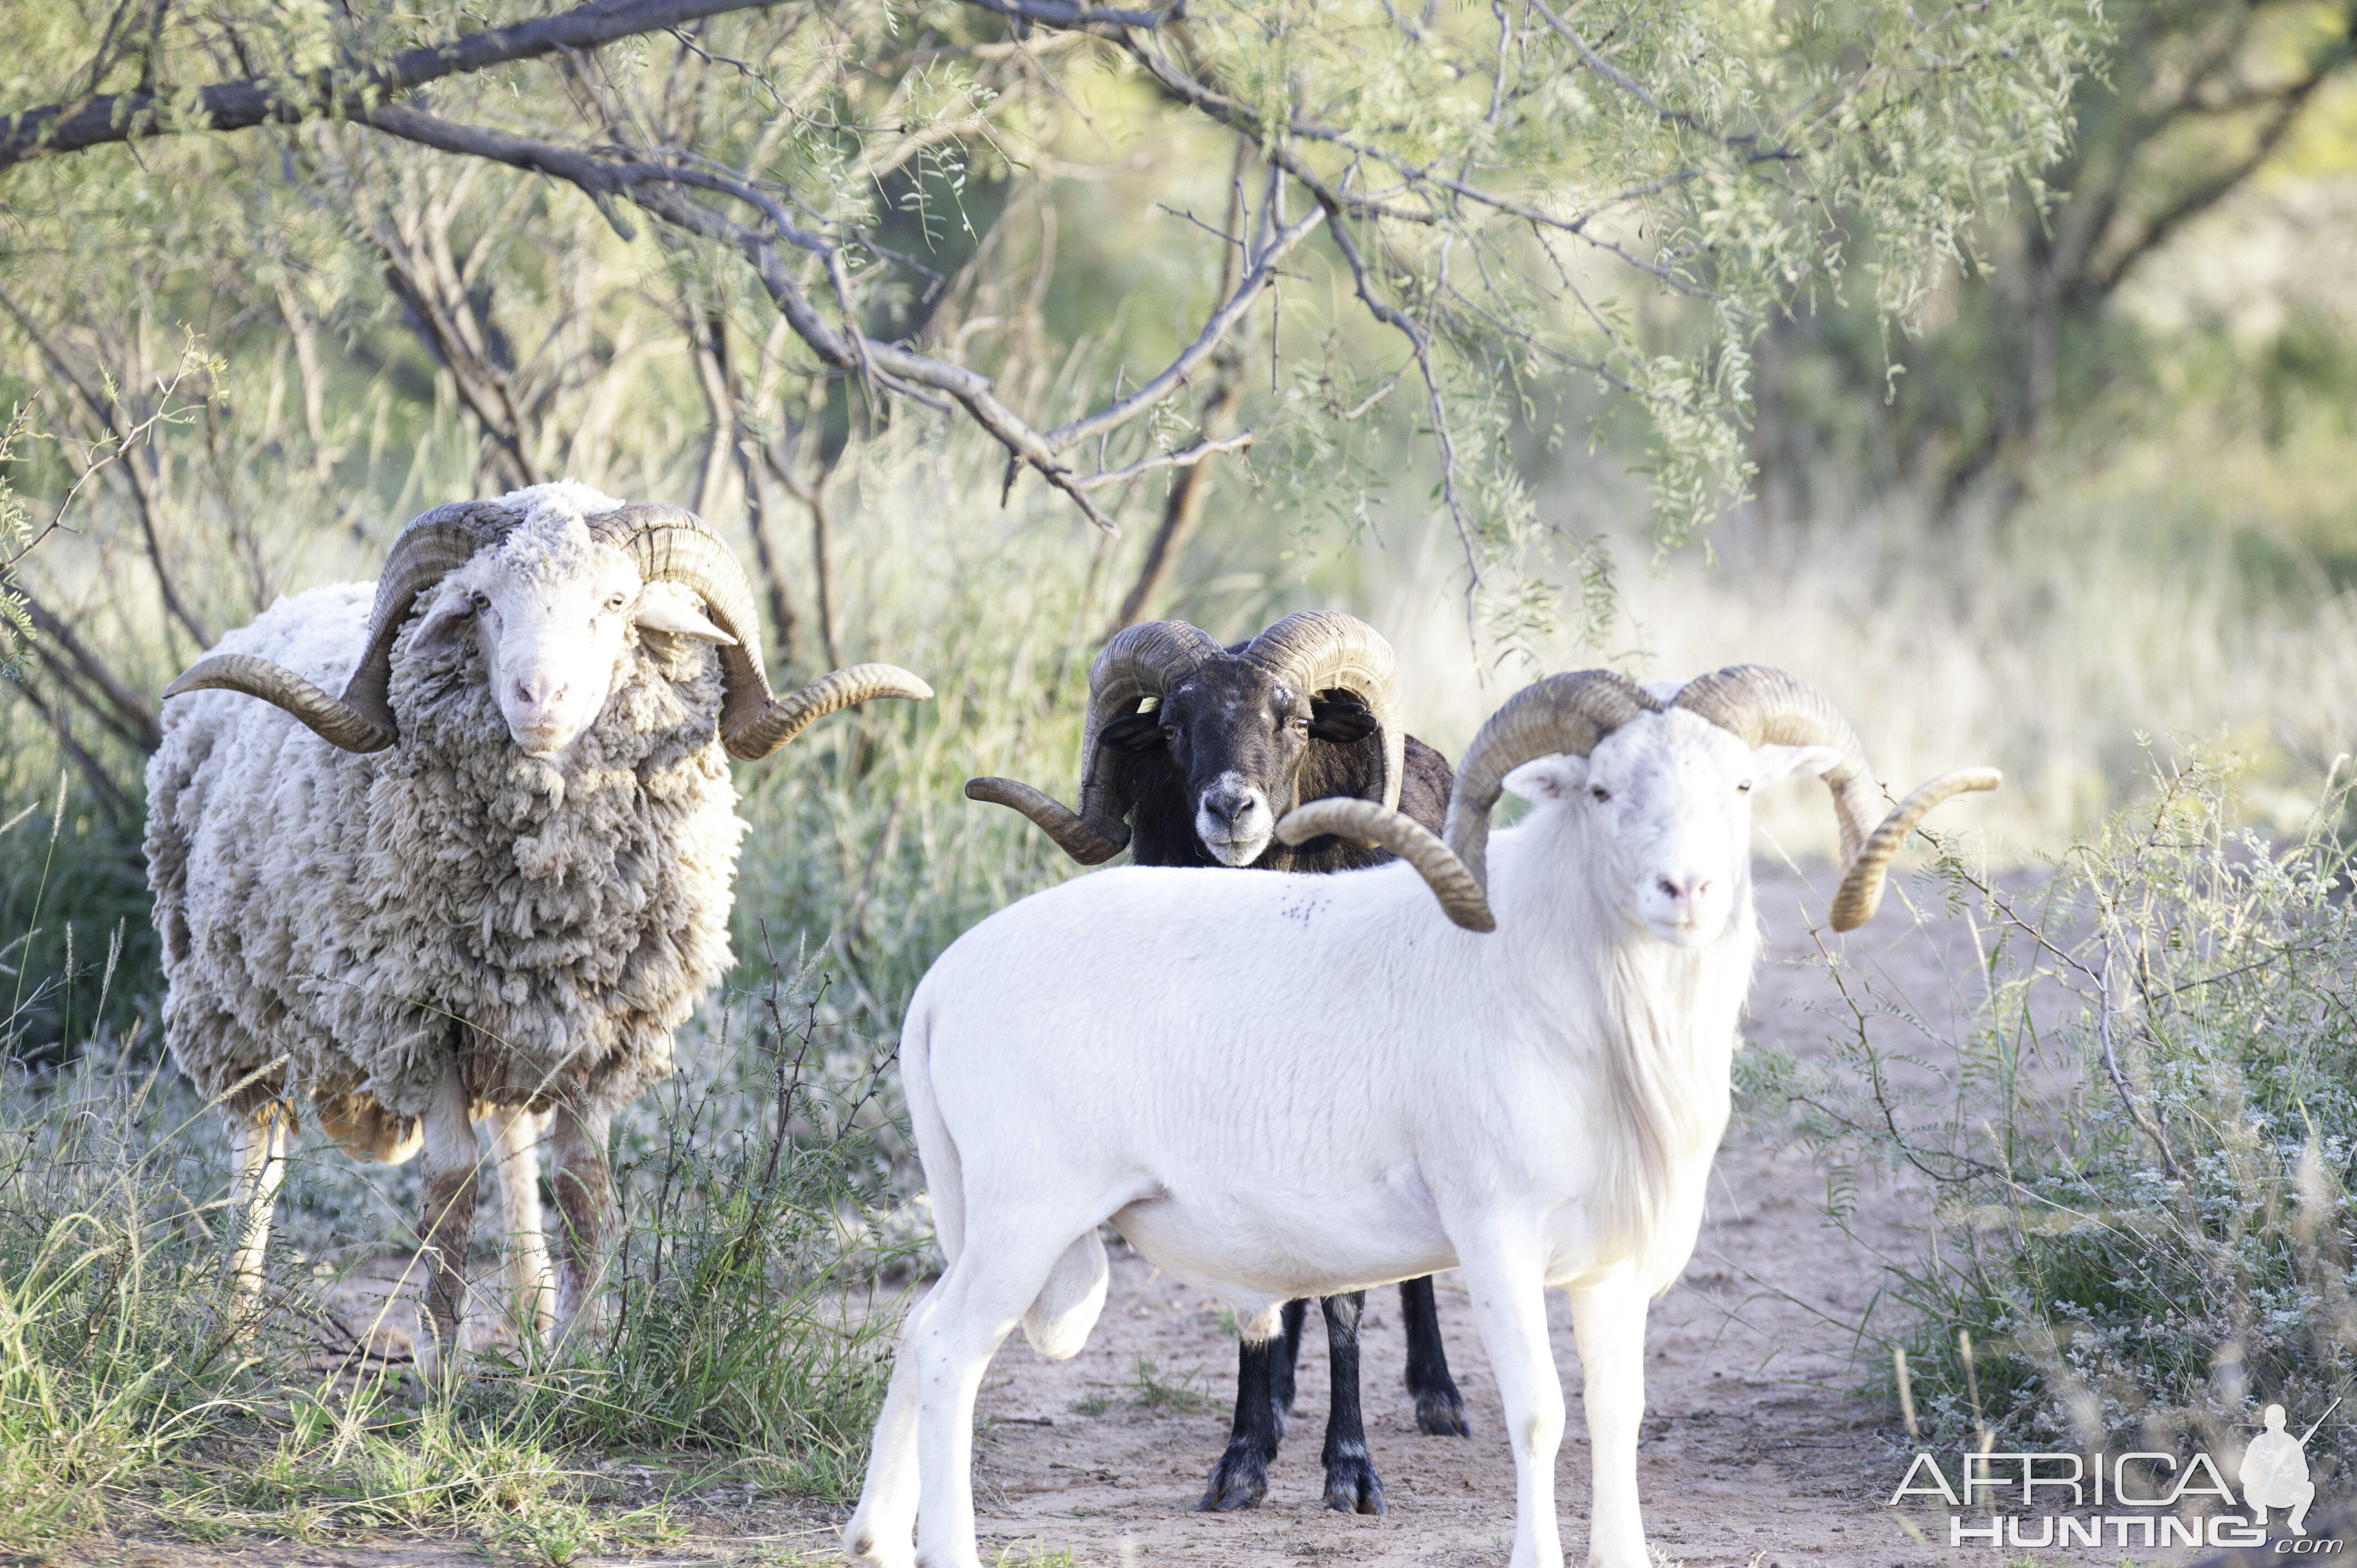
861,1544
1240,1480
1441,1413
1352,1486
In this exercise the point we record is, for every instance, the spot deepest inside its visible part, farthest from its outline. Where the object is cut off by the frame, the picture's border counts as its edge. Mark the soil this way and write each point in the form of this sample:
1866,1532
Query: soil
1753,1454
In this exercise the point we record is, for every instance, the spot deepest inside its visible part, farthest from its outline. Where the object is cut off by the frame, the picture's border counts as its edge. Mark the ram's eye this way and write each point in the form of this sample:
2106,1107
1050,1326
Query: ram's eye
1599,793
617,601
1301,724
1744,788
478,602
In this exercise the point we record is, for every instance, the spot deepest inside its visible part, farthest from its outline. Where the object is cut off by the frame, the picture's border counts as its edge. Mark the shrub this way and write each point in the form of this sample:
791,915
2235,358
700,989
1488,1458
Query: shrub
2141,1150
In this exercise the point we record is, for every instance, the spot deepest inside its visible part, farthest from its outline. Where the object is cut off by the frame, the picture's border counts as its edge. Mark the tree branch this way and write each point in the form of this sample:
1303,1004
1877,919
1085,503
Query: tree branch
1187,460
1174,374
85,123
126,712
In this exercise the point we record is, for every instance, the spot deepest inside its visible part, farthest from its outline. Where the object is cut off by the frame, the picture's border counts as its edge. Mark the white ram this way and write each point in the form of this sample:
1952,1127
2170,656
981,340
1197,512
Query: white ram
493,876
1537,1107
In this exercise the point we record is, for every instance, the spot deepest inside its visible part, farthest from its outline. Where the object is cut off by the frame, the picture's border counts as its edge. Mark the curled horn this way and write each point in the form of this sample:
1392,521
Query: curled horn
670,544
433,544
1861,892
1560,713
1768,707
1141,661
1462,898
1324,650
1570,713
1761,706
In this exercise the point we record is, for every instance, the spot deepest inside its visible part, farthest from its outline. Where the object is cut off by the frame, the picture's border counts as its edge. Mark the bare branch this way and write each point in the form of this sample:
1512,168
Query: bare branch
240,105
1420,341
1073,17
1187,460
1603,67
113,703
1174,374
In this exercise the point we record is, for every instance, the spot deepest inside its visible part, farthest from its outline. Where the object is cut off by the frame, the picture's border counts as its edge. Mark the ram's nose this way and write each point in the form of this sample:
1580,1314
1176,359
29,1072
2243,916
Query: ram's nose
541,690
1228,799
1232,820
1682,906
1683,889
537,711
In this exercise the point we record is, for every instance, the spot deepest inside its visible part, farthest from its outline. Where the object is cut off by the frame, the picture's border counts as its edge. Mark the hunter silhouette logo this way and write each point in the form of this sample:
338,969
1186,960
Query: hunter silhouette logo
2275,1471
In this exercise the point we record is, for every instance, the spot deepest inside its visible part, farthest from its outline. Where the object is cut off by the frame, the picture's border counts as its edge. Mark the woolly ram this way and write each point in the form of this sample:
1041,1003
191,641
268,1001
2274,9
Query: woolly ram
491,879
1537,1107
1190,754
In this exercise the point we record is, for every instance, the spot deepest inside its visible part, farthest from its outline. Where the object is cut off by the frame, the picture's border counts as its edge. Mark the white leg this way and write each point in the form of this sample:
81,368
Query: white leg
997,1276
530,1292
1609,1320
882,1532
451,1158
259,1151
584,1215
1509,1292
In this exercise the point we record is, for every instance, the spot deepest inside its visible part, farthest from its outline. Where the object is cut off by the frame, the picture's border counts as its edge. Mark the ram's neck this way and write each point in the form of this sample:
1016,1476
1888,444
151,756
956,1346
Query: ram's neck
1650,1023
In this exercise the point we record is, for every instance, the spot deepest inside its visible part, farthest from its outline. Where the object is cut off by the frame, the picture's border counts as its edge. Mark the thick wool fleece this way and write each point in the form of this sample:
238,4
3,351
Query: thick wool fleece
554,919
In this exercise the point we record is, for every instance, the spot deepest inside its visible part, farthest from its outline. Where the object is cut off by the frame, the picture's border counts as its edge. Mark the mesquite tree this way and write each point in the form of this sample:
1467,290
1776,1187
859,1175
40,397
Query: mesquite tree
1430,222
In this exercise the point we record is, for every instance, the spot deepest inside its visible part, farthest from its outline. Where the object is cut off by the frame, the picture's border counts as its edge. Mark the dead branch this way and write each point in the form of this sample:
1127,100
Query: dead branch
1187,460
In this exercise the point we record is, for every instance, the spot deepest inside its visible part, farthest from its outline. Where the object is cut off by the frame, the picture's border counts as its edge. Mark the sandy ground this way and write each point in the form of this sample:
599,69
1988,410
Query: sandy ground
1751,1454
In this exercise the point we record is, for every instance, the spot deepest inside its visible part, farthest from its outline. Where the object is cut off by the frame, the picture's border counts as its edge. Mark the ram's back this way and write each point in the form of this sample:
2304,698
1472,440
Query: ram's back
1167,1042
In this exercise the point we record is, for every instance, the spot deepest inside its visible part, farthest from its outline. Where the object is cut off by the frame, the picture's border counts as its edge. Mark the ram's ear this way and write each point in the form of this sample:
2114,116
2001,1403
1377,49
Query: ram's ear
448,619
1548,779
672,612
1341,717
1769,763
1135,734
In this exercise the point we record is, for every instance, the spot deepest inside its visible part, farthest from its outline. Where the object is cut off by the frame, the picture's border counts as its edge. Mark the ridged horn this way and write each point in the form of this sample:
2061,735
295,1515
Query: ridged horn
434,543
1074,835
1325,650
1460,892
1763,706
1568,714
1860,892
1141,661
671,544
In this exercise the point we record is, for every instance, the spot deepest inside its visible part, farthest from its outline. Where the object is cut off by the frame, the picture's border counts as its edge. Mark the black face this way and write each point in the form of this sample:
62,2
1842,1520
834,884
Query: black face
1236,736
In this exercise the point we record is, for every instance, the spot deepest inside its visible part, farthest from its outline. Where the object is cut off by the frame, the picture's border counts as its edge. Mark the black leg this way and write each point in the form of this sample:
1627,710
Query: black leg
1439,1408
1280,1371
1351,1483
1241,1478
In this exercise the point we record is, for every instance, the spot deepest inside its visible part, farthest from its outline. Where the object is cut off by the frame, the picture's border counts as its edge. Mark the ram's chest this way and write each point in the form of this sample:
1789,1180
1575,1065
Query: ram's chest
558,871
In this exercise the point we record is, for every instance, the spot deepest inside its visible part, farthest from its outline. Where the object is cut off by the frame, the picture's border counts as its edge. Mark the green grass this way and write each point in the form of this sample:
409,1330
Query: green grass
1186,1394
749,1317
